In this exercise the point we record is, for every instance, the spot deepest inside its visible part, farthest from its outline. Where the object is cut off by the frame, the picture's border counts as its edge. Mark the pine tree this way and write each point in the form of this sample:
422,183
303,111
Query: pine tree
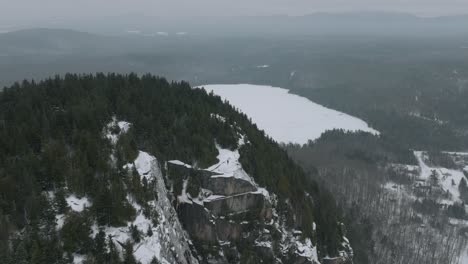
114,257
149,232
20,255
154,260
128,254
100,247
37,256
76,234
434,179
136,236
60,203
463,189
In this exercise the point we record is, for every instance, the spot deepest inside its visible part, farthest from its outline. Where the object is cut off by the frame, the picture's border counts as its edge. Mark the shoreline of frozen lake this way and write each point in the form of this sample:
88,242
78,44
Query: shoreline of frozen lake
284,116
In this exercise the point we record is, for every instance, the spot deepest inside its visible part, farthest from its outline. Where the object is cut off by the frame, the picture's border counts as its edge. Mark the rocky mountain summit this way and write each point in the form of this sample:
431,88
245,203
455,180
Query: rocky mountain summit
128,169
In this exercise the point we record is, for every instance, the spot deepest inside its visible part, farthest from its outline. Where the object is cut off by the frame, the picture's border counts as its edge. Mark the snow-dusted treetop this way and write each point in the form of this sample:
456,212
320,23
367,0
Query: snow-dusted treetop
286,117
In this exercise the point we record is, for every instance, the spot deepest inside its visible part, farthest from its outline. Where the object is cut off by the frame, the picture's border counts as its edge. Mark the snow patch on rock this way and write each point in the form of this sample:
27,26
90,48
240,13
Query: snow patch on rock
180,163
307,250
114,129
144,163
77,204
228,165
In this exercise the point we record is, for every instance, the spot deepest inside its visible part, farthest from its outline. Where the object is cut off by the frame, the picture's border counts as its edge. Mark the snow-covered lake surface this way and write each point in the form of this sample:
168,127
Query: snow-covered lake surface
283,116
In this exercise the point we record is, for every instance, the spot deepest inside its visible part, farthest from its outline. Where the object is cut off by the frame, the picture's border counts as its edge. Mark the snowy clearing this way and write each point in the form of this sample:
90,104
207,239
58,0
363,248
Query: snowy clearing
449,179
307,250
77,204
111,135
229,165
144,163
286,117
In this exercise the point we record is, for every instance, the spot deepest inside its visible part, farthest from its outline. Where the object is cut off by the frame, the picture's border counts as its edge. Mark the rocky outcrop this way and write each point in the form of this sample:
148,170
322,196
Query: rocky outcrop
240,203
228,202
227,185
230,218
197,222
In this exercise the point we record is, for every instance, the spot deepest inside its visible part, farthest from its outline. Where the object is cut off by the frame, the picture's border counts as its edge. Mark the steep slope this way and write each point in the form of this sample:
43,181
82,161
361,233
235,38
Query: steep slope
404,206
123,169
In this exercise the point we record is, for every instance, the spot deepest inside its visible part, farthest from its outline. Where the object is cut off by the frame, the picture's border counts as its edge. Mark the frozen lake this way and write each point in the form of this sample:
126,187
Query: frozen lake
283,116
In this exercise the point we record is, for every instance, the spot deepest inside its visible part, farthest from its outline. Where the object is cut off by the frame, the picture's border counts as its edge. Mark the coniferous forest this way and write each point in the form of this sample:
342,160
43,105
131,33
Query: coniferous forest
52,145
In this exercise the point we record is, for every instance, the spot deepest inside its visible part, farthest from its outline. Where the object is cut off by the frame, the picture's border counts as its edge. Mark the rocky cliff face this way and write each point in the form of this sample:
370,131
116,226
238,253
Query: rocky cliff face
102,190
213,215
167,242
225,212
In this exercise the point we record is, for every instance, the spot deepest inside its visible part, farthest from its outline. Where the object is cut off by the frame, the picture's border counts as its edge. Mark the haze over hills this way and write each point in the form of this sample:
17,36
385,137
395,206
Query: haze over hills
397,196
378,23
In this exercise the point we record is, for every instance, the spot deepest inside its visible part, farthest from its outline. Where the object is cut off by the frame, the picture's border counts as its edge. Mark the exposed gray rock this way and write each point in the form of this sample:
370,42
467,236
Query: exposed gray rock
228,230
237,204
197,221
227,186
231,217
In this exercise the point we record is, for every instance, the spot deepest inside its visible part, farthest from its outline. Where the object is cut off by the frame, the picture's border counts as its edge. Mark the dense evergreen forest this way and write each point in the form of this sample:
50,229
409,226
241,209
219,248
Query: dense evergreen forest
412,88
419,103
52,145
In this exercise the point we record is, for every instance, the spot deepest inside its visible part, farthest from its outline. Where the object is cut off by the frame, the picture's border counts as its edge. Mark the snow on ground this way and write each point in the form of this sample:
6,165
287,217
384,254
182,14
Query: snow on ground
265,244
292,239
169,241
449,179
180,163
456,153
218,117
60,220
143,163
184,198
464,256
228,165
286,117
418,115
307,250
78,259
77,204
149,247
123,126
425,170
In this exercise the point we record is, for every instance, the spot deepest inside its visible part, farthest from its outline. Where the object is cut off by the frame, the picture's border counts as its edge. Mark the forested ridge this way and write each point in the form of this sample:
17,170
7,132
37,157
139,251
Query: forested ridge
370,177
52,145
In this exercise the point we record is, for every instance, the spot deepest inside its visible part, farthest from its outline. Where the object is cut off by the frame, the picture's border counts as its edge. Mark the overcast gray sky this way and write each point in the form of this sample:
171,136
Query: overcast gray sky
46,9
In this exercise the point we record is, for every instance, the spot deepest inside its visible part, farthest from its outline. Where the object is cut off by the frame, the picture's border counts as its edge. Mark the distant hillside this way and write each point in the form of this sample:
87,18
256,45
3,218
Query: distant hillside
50,42
373,23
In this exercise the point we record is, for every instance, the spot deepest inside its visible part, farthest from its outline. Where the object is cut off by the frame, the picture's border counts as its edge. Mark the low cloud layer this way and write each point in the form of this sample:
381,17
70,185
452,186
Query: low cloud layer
71,9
